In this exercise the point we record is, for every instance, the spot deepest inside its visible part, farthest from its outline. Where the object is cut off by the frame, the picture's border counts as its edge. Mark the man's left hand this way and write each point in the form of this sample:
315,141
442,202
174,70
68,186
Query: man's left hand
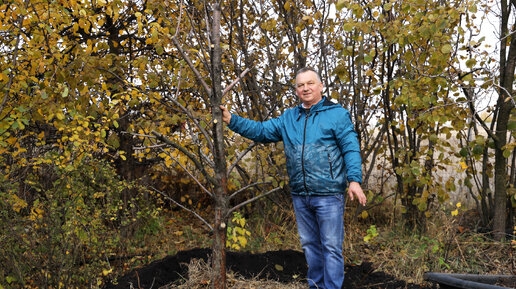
355,190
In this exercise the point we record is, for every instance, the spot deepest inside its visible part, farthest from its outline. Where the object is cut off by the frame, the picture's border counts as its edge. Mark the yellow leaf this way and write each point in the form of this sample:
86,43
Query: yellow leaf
459,205
455,213
278,267
18,203
106,272
12,140
287,6
242,241
364,215
463,165
3,77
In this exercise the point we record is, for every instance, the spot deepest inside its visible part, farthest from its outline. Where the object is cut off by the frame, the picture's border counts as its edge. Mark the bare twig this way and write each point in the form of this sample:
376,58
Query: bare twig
179,20
248,149
192,66
14,64
194,120
149,147
246,187
183,207
190,155
189,173
251,200
227,89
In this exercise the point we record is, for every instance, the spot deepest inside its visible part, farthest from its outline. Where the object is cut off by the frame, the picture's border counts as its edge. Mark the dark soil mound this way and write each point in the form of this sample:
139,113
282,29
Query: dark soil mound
284,266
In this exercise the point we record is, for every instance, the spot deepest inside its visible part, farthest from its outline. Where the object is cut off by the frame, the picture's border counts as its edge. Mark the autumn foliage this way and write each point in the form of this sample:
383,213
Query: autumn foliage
108,114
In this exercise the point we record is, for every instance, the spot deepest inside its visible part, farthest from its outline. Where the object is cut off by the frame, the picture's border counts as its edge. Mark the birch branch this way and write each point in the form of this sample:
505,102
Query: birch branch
246,187
194,120
189,173
227,89
14,58
248,149
191,156
183,207
192,67
251,200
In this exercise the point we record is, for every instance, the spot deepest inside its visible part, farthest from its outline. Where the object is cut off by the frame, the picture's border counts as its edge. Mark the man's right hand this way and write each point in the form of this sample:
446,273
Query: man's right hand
226,115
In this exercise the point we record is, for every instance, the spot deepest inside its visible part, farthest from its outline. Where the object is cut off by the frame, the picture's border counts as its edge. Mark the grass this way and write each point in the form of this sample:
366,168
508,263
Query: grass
199,277
445,245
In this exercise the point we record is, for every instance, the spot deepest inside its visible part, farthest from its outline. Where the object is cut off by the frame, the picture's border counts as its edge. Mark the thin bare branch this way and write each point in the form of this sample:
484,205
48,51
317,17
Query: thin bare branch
179,20
251,200
188,172
227,89
192,66
138,134
149,147
240,156
14,58
246,187
183,207
188,154
194,120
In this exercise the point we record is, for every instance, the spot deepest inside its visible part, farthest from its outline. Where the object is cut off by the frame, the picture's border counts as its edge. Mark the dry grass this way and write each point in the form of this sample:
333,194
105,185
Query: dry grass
443,246
199,278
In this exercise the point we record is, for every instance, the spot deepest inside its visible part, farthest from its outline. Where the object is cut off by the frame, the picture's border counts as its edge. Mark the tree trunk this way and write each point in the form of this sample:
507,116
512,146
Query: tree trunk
504,107
221,205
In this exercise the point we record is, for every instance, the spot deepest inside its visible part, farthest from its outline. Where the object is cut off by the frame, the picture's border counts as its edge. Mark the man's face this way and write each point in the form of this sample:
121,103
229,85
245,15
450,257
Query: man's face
308,88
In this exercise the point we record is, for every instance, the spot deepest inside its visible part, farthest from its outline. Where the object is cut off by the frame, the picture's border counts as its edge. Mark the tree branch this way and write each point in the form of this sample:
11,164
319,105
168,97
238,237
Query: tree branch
191,156
246,187
14,58
251,200
227,89
192,67
248,149
188,172
197,124
183,207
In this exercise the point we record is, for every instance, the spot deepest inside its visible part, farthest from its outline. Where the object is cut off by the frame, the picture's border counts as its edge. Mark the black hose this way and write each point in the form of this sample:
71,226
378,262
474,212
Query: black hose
466,281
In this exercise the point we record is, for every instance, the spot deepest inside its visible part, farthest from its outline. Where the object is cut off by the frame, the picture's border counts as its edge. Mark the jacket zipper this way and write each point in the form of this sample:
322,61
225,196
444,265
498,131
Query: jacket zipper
331,167
303,153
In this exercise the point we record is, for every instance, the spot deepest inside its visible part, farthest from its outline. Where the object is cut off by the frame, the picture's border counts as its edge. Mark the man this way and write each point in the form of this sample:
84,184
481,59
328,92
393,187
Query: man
322,155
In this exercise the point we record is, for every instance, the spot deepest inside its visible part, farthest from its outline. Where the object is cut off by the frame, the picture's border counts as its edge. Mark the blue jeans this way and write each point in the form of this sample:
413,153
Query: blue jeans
321,230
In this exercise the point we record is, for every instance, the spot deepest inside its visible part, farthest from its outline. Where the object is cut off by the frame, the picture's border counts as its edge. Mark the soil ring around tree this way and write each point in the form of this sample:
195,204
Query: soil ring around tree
284,266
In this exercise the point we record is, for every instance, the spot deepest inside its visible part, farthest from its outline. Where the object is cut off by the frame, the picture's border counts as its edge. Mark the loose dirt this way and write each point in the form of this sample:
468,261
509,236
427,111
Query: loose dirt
283,266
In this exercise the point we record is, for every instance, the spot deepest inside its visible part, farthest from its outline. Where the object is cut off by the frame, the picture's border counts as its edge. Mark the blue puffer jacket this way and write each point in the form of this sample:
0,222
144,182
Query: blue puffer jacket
321,146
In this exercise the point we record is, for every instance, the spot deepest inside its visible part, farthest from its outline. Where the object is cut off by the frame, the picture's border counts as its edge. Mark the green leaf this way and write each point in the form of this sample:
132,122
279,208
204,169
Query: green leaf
387,6
446,48
65,92
340,4
10,279
348,27
506,153
478,149
471,62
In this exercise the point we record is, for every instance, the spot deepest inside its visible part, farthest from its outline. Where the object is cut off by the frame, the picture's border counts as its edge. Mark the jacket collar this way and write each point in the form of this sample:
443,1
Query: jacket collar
321,105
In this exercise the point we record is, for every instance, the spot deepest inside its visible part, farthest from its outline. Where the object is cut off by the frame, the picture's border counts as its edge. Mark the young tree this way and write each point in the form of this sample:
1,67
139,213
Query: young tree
398,65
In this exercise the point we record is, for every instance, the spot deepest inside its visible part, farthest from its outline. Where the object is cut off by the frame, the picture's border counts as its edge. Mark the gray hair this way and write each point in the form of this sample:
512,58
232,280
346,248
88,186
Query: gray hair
306,69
